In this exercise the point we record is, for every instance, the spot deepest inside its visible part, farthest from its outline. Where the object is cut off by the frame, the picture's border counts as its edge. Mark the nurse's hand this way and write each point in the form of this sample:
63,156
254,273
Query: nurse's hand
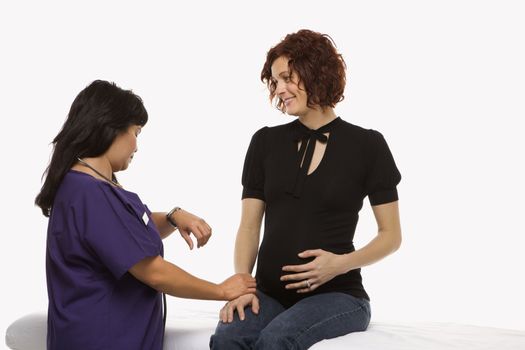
308,277
188,224
237,285
227,311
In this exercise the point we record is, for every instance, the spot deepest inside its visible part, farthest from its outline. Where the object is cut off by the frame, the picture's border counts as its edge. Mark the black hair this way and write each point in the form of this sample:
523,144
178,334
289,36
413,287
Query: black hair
98,114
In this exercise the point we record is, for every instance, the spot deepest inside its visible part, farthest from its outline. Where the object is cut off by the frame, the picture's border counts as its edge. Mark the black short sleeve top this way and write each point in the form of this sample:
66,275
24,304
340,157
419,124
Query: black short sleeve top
319,210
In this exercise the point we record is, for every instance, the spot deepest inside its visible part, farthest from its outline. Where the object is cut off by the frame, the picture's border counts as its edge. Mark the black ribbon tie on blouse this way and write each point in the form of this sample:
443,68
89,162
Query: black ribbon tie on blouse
308,138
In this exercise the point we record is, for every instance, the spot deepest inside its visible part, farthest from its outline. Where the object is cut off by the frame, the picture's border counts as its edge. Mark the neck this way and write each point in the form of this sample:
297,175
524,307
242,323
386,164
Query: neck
101,164
316,118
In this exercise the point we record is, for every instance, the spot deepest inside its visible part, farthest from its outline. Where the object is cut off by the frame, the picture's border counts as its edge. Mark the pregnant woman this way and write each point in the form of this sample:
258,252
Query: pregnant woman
308,179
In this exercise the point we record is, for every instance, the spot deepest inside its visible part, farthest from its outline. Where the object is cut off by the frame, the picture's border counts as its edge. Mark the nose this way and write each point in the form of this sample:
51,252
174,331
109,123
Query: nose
280,88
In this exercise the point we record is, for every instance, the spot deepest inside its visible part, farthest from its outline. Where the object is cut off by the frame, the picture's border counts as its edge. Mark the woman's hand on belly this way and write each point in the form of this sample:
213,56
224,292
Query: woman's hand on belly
308,277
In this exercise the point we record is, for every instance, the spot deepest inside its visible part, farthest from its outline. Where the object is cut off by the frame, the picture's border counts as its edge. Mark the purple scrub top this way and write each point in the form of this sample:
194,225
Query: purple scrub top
96,233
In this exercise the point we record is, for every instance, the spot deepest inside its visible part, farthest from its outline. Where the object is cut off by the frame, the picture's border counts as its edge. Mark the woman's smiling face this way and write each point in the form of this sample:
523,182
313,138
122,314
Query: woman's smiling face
287,89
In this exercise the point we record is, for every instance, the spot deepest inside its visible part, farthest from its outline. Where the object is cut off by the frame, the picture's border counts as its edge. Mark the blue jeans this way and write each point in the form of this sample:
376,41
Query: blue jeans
318,317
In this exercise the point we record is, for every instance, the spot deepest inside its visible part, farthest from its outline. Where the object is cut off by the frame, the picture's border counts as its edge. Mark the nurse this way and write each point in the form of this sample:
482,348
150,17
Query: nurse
104,258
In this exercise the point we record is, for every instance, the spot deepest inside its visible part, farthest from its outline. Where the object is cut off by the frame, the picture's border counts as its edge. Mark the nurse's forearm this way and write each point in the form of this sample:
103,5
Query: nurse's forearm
164,227
170,279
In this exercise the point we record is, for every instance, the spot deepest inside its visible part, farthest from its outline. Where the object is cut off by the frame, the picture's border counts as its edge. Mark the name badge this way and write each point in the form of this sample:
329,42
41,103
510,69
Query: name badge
145,218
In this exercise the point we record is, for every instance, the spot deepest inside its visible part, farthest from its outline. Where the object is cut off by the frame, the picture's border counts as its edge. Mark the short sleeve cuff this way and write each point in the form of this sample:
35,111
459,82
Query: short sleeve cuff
125,267
383,197
251,193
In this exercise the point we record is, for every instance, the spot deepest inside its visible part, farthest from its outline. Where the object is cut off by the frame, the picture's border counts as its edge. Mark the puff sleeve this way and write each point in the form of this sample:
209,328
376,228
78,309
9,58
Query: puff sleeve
253,170
382,175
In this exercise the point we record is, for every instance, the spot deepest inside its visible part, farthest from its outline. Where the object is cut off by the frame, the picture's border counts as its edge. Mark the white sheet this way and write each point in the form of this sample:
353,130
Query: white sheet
189,330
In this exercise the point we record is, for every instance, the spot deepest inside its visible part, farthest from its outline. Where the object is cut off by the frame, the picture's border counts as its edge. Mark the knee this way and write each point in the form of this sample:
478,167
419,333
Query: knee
221,341
223,337
276,339
229,337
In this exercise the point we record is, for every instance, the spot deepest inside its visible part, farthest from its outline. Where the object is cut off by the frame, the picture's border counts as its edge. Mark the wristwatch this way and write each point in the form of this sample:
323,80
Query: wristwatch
170,219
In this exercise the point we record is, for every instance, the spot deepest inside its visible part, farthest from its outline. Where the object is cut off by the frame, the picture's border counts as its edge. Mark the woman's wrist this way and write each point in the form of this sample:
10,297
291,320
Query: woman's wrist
345,263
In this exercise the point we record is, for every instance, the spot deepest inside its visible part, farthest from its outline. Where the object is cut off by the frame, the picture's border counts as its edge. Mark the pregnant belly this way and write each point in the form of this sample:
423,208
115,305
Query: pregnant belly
278,250
271,259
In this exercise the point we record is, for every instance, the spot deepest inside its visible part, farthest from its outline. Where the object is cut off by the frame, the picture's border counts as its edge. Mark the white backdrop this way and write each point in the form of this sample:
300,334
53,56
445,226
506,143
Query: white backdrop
444,81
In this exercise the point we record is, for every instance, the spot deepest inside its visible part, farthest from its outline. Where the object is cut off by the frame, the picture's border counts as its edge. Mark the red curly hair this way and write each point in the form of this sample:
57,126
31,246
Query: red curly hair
314,58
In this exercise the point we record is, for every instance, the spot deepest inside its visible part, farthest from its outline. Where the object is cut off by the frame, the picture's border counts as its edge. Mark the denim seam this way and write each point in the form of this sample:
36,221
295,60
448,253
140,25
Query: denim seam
327,320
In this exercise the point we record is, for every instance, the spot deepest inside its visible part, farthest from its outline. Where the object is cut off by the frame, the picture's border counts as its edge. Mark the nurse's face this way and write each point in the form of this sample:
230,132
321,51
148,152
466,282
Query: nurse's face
121,151
288,89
